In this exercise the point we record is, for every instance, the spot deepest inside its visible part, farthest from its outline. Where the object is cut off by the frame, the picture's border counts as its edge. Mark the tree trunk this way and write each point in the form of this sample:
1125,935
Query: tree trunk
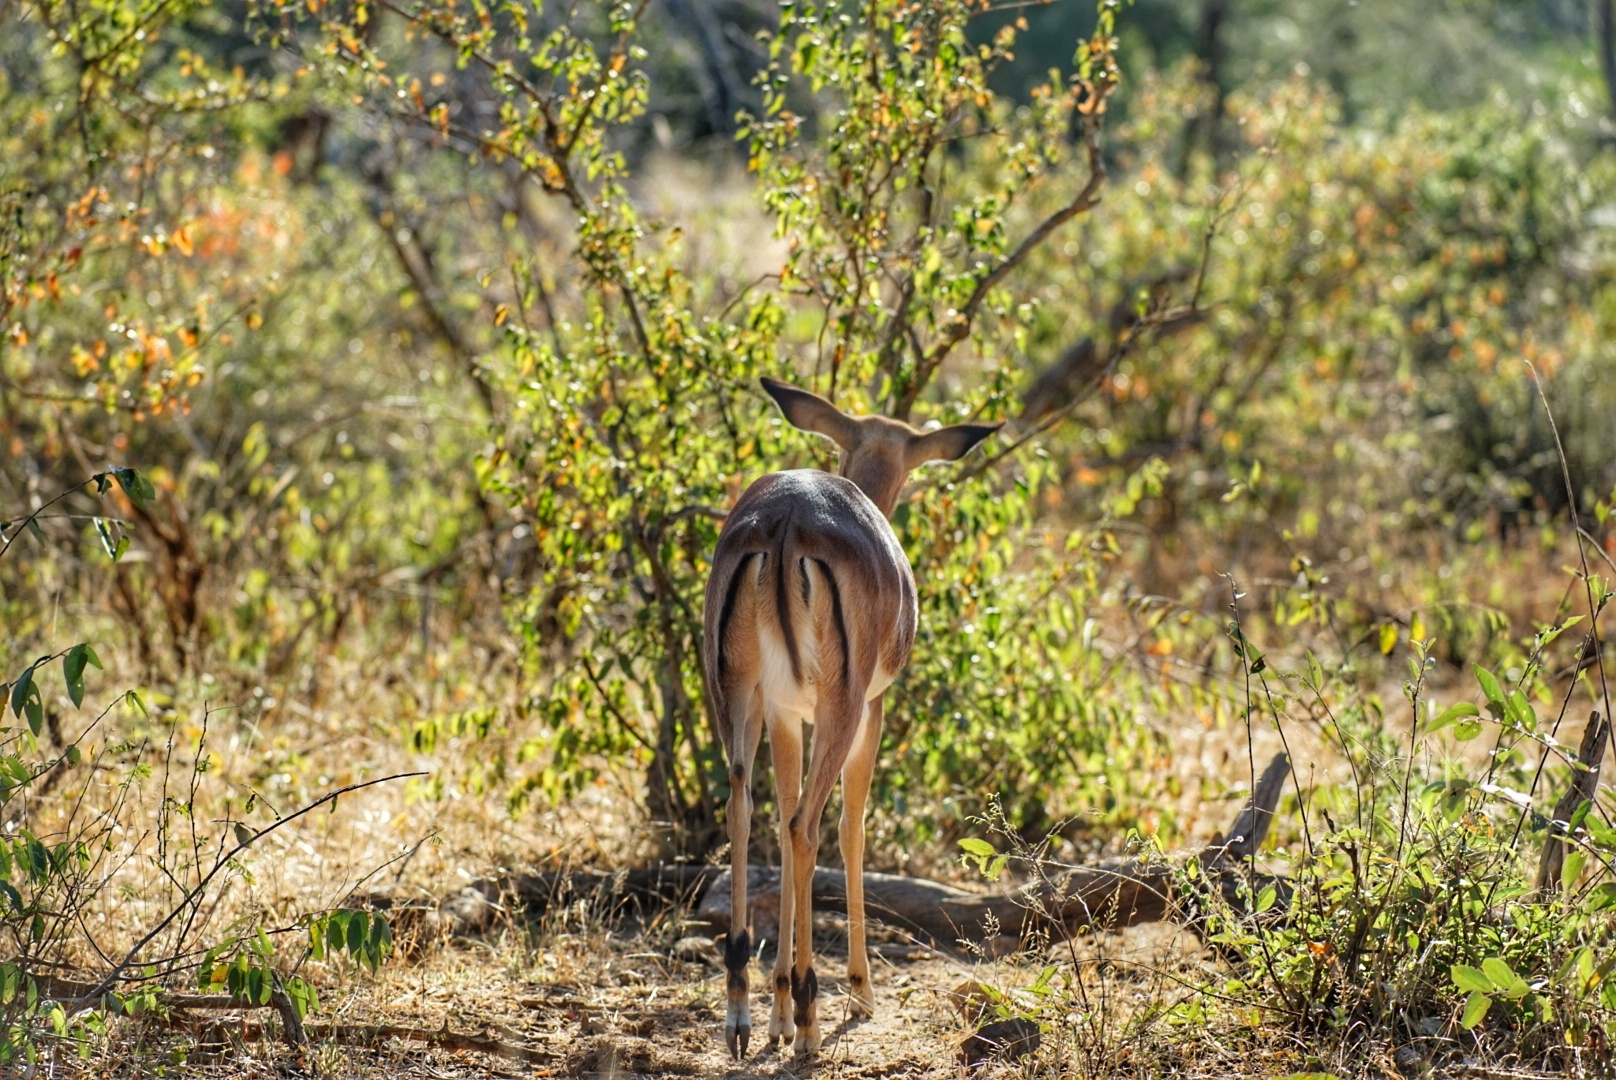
1607,49
1212,50
1583,787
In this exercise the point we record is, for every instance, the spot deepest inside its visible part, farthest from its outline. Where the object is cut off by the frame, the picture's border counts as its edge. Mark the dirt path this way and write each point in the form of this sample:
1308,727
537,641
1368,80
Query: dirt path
913,1033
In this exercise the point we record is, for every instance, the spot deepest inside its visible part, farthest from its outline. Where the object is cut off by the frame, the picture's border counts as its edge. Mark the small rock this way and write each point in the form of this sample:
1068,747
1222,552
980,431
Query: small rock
469,911
1015,1037
695,950
1409,1061
970,999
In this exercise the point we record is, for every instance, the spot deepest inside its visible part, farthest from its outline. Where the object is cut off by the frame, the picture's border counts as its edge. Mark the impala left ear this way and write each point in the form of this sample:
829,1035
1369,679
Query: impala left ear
810,412
947,444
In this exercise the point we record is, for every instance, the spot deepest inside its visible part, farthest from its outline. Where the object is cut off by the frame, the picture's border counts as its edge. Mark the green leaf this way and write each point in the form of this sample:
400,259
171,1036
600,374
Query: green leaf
380,943
1466,730
1476,1006
1602,897
19,690
1519,710
73,672
111,546
136,486
1571,870
1489,685
358,932
1450,714
980,848
1266,898
304,997
257,987
26,702
1579,815
1314,671
1504,977
1471,979
244,835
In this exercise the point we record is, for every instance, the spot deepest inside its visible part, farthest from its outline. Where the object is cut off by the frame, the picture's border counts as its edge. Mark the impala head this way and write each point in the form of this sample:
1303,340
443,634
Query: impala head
877,453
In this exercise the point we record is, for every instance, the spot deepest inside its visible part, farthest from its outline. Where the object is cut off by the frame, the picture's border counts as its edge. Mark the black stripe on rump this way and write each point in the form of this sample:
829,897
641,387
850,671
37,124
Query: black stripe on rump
782,605
836,612
729,608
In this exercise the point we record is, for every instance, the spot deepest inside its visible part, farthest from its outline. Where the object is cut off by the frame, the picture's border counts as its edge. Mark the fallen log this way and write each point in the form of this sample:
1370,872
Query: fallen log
476,907
1061,902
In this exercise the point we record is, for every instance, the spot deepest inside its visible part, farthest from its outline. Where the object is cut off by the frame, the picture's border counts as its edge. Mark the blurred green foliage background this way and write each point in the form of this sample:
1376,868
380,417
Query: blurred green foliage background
437,327
323,280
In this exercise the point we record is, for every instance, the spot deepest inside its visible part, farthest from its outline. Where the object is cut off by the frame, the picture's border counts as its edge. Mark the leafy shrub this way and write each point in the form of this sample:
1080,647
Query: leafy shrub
67,861
631,417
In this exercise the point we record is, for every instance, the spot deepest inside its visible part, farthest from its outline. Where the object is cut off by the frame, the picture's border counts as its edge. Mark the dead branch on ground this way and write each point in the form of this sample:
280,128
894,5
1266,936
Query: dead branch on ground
1584,785
1061,903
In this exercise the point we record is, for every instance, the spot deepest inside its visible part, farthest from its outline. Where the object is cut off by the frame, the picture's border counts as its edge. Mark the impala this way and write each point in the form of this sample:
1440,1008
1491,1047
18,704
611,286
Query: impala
810,615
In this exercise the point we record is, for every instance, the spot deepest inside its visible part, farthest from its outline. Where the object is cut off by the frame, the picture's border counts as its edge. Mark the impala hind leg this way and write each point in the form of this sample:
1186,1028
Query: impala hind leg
836,721
738,942
785,751
855,794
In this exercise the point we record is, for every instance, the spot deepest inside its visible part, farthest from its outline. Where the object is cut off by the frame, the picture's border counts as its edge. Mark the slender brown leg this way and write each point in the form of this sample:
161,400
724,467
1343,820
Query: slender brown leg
835,723
855,794
785,749
738,942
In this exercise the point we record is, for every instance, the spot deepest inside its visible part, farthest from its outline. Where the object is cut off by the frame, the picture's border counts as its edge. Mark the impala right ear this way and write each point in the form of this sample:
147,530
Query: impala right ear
810,412
947,444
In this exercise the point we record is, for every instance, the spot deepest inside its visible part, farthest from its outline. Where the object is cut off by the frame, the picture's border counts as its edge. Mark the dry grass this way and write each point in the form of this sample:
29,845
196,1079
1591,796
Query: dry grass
581,996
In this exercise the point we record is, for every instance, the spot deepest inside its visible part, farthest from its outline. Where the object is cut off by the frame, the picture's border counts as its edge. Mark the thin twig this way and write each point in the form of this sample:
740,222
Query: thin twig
90,999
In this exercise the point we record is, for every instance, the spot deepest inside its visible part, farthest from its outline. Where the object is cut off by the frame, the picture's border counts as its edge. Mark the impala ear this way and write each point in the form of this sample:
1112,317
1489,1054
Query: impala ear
946,444
810,412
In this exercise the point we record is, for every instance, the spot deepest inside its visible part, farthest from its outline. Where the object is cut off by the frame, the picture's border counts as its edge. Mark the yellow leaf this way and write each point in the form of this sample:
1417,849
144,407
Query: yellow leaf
1388,638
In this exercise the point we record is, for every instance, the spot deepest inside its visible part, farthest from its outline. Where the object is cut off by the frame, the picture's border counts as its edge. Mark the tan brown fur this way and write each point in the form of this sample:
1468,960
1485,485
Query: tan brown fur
810,614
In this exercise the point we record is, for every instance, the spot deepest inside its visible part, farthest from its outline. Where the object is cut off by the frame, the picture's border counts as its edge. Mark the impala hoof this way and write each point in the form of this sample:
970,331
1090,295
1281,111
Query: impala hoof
736,1036
781,1027
863,998
807,1039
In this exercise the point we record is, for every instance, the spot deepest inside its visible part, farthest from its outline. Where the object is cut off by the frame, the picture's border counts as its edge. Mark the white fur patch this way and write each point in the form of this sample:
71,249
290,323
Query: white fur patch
782,693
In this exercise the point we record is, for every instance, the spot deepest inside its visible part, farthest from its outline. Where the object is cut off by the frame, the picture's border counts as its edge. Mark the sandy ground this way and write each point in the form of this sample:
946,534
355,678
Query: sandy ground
623,1002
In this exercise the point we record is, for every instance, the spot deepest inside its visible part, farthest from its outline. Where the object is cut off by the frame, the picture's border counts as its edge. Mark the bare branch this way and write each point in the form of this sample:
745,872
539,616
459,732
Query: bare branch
91,999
